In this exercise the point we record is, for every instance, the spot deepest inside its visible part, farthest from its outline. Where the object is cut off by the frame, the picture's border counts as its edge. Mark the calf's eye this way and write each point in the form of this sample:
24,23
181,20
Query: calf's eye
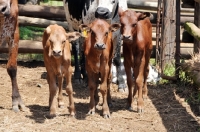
106,34
63,42
134,25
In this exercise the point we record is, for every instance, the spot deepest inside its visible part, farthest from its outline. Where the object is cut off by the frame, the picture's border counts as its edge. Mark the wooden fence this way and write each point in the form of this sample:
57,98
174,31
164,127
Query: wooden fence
41,16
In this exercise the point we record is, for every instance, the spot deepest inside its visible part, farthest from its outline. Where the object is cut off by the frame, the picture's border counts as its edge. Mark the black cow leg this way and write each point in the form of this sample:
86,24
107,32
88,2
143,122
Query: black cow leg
82,61
83,70
75,50
117,62
120,80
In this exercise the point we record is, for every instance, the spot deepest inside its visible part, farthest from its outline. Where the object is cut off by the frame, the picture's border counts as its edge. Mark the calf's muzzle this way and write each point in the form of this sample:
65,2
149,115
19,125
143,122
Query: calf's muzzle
100,46
57,53
5,10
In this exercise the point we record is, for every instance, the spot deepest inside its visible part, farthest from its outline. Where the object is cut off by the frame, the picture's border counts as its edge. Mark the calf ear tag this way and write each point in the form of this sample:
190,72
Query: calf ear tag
84,33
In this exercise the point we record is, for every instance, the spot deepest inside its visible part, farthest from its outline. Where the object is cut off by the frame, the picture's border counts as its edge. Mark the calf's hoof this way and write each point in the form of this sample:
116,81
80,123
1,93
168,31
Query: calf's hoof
51,116
73,114
140,110
61,105
91,112
106,116
130,108
19,107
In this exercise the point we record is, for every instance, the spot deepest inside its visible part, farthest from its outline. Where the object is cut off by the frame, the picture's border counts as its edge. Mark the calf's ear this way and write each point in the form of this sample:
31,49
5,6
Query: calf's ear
143,15
84,29
120,11
114,27
72,36
48,30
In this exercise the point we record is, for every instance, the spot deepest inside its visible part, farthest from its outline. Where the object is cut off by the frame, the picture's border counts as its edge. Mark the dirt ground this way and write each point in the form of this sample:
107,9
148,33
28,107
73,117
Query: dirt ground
164,109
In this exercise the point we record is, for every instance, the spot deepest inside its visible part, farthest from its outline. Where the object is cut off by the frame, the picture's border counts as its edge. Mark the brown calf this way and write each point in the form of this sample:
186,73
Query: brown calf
98,50
9,33
137,46
57,59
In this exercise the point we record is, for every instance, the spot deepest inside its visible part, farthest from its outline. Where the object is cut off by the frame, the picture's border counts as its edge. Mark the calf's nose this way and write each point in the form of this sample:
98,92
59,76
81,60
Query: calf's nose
5,11
100,46
56,52
126,37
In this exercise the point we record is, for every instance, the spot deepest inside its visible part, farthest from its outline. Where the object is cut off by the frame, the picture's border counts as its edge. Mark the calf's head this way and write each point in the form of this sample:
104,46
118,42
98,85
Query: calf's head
58,39
5,7
129,20
99,32
106,9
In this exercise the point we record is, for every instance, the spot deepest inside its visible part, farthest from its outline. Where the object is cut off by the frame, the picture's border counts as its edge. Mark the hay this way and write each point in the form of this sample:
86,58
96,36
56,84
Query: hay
193,64
192,68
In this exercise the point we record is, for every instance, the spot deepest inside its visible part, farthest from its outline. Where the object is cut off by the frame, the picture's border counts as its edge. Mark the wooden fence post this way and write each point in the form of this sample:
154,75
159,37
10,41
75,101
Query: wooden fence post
197,23
168,33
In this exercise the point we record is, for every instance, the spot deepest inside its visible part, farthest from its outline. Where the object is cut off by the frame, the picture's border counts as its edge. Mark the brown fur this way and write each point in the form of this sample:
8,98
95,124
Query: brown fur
9,33
137,46
57,59
98,50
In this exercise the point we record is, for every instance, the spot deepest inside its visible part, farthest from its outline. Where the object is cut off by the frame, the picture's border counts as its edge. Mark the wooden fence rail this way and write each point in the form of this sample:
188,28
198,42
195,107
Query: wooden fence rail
41,16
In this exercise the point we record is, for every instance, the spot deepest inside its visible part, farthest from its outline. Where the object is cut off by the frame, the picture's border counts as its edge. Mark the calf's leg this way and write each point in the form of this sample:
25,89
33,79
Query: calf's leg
129,83
139,79
60,96
93,80
69,91
104,91
52,94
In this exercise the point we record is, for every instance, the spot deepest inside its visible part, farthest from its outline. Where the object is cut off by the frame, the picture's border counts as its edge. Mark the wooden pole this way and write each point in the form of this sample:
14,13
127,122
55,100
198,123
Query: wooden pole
177,54
168,32
158,32
197,23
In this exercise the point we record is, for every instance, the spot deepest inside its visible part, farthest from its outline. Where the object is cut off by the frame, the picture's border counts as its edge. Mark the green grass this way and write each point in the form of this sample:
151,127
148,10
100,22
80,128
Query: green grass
30,57
52,3
29,32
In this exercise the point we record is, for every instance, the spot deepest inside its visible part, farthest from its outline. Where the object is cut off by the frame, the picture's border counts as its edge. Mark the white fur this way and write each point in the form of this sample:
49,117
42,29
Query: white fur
90,13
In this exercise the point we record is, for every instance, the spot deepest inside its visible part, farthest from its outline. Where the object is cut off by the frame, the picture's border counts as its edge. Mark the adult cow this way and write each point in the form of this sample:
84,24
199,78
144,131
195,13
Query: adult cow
136,29
9,33
84,12
98,49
